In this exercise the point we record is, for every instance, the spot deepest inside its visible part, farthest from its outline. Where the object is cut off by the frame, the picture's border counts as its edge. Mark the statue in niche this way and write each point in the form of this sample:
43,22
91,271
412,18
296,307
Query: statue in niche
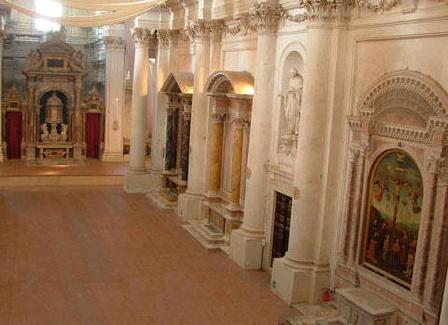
45,134
34,60
293,102
64,132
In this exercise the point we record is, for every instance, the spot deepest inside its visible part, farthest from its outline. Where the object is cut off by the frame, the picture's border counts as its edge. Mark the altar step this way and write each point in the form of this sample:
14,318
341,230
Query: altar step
60,180
208,235
163,200
323,314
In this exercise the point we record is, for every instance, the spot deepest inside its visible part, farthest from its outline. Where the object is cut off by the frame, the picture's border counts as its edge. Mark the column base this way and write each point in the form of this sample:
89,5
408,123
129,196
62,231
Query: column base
112,156
77,152
246,251
189,206
295,283
138,182
30,153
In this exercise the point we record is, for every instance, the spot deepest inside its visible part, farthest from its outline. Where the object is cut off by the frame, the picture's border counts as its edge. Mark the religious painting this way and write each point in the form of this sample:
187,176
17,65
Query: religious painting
393,217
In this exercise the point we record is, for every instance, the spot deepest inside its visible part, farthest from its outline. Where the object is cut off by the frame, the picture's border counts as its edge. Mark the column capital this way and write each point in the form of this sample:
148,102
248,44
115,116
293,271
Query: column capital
142,36
114,43
265,17
240,122
217,117
198,28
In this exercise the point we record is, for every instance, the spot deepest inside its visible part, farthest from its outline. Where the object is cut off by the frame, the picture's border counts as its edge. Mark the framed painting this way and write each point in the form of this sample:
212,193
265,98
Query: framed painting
393,217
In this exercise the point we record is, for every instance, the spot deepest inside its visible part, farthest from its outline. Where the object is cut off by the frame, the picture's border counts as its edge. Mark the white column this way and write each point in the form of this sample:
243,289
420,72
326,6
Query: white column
115,94
137,177
246,242
190,201
305,269
2,158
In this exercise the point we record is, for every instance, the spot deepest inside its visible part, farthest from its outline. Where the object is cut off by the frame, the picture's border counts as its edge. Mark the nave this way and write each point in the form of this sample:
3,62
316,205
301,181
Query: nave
95,255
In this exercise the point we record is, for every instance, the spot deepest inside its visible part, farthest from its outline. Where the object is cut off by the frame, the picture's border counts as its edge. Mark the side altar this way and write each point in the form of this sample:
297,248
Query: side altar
53,119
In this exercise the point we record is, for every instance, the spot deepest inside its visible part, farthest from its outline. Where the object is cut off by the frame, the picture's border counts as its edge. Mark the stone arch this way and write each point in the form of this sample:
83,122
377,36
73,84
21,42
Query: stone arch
429,94
233,82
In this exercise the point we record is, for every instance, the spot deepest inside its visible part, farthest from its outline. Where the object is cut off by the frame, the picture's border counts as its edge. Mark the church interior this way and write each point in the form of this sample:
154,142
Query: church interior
224,162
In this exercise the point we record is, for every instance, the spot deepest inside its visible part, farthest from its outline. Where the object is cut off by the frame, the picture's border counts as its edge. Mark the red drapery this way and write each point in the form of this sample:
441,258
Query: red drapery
14,134
93,135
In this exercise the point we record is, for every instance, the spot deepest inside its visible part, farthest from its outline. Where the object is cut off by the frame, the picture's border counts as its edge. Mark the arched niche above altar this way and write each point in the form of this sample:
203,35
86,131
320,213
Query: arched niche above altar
289,104
394,220
54,125
178,87
230,111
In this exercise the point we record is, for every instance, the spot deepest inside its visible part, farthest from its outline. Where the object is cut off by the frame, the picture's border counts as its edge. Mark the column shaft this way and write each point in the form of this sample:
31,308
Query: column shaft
115,95
185,144
214,180
237,158
1,97
139,98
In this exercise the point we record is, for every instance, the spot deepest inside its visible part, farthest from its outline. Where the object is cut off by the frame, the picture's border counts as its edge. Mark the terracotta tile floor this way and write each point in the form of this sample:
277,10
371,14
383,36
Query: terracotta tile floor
99,256
92,167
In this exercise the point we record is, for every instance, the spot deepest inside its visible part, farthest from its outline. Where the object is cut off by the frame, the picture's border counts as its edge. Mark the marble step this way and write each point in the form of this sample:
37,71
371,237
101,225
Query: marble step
164,201
208,238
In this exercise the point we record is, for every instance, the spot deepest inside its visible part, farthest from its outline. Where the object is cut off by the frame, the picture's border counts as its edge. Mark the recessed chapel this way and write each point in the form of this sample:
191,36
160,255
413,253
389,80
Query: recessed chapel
224,162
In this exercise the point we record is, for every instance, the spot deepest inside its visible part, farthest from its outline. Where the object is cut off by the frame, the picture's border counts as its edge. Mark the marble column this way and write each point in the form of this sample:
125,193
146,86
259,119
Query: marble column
216,141
305,270
115,95
185,154
189,203
171,137
237,159
78,146
158,145
246,242
137,177
2,157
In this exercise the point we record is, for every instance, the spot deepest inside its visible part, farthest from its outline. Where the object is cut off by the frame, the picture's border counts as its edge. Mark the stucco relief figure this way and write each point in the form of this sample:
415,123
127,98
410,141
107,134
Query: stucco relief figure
77,63
293,102
34,60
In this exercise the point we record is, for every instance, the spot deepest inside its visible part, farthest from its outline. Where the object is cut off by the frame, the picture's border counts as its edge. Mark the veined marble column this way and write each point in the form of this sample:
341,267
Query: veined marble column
237,159
246,242
190,202
137,177
185,155
77,147
305,270
217,130
115,94
2,158
171,138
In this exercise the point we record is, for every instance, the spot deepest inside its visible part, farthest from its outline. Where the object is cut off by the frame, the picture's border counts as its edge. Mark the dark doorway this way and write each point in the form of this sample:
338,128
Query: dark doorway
93,135
282,221
14,134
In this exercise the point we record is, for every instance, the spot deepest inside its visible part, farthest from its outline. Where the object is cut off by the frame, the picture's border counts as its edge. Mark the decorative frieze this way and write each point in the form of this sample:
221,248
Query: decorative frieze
114,43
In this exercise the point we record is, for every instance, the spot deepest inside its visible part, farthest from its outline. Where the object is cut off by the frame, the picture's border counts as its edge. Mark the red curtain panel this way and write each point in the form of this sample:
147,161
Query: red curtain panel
93,135
14,134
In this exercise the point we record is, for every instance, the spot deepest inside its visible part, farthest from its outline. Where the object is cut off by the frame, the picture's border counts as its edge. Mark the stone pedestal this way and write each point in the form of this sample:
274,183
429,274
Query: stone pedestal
246,242
137,178
115,78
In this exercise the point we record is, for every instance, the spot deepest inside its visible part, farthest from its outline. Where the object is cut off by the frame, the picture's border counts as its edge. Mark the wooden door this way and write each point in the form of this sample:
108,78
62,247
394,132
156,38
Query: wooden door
93,135
282,221
14,134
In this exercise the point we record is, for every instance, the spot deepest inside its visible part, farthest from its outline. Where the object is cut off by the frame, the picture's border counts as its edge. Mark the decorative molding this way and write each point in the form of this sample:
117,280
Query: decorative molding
164,37
142,36
114,43
322,10
217,117
265,17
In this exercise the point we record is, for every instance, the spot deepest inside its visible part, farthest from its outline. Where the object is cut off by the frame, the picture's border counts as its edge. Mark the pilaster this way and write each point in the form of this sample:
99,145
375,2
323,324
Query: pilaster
114,95
2,155
246,243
